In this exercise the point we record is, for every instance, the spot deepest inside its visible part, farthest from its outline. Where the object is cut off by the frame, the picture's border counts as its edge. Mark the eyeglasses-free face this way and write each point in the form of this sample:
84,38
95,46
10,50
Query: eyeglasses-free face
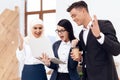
37,30
62,33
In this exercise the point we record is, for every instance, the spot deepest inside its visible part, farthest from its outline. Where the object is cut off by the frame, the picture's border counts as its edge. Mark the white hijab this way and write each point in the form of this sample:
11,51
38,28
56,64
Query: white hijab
38,45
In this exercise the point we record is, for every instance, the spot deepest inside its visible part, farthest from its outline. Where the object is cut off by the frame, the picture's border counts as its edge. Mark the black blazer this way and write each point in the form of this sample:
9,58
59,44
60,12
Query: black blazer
99,58
72,65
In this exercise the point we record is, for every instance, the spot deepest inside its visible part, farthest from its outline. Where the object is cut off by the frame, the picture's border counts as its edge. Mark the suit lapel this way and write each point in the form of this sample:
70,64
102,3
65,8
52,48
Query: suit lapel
81,40
56,49
89,36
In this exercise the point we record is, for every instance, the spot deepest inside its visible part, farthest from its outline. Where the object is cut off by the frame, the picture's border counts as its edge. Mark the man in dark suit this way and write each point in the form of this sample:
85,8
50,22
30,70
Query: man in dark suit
98,42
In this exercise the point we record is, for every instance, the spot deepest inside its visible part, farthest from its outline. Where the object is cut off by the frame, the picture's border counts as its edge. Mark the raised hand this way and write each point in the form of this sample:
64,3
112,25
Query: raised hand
95,27
21,40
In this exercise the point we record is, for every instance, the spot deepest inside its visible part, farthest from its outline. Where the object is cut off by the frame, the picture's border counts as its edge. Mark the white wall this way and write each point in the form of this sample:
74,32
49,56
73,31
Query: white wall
10,4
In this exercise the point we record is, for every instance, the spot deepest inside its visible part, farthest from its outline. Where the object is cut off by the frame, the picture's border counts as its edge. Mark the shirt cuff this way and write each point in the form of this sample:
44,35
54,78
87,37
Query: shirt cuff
101,40
19,51
20,54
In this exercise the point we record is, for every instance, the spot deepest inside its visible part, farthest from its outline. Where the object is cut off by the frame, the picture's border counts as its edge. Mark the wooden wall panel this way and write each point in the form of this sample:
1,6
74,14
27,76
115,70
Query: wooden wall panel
9,23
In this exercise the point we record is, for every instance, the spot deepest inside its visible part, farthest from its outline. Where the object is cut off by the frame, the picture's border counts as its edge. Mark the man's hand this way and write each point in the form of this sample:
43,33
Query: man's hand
77,57
95,27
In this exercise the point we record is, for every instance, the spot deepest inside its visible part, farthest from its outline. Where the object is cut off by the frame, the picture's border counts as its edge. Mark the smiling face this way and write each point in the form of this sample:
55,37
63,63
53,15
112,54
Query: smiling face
62,33
37,30
77,15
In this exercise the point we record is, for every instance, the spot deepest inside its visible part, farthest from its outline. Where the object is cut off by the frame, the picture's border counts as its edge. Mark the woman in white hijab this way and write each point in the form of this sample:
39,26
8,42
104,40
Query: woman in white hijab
32,47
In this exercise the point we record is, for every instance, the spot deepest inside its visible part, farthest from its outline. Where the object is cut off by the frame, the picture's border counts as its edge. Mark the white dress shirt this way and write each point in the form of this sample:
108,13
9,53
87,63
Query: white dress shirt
63,53
25,56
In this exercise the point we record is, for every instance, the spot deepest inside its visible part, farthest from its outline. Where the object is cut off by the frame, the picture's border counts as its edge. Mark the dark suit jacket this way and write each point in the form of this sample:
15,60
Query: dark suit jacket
72,65
99,58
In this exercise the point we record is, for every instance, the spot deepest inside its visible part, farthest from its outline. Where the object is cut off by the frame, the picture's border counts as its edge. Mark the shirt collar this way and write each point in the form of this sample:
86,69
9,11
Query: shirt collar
88,26
65,43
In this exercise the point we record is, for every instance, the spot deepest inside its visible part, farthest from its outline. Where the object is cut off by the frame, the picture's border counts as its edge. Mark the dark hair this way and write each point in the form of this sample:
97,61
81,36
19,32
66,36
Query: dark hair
79,4
68,27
